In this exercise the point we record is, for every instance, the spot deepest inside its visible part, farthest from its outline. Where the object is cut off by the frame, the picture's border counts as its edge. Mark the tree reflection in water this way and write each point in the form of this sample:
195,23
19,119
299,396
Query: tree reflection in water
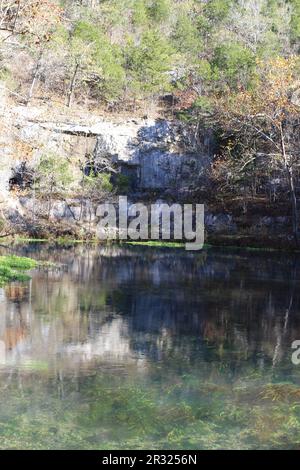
151,348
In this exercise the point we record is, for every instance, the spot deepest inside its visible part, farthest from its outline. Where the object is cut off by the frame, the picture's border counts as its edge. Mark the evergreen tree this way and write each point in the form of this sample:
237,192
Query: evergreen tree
139,13
295,20
159,10
149,64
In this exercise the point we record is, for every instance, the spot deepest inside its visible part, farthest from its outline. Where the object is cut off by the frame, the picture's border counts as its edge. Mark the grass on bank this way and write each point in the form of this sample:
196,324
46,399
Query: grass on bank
13,268
206,246
158,244
62,241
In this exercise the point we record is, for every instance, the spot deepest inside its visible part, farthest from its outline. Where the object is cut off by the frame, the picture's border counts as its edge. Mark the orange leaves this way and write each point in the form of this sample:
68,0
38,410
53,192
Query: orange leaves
43,11
39,18
185,99
276,77
22,150
270,96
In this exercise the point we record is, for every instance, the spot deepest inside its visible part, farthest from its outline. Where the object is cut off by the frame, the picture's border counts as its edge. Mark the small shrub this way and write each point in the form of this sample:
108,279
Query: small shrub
97,185
122,183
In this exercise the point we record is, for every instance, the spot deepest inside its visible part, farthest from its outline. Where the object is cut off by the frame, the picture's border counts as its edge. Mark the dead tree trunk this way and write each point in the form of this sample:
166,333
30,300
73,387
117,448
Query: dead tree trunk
16,17
34,78
291,183
72,86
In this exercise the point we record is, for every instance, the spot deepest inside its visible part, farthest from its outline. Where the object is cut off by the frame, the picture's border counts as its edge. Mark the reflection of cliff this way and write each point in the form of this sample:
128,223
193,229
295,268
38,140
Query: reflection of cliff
227,301
111,342
123,305
59,320
13,324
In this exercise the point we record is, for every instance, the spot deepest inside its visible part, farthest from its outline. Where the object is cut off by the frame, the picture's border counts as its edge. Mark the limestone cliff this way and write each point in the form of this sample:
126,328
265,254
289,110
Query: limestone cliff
156,155
162,159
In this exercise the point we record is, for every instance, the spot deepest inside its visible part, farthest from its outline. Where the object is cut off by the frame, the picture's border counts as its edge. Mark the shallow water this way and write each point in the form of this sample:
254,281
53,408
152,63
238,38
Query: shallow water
128,348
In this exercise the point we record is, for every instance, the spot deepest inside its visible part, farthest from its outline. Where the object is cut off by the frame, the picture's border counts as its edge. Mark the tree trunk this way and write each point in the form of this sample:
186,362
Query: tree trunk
16,17
294,206
34,79
72,86
291,183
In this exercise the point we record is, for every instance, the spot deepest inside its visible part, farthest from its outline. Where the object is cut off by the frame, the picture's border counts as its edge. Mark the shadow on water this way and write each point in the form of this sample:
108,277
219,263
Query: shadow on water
134,347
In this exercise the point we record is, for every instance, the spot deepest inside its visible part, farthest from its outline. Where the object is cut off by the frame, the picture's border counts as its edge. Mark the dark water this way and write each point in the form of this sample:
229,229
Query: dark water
152,349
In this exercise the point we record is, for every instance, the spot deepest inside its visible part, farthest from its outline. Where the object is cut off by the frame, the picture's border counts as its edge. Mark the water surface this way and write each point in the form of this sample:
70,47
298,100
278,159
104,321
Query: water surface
146,348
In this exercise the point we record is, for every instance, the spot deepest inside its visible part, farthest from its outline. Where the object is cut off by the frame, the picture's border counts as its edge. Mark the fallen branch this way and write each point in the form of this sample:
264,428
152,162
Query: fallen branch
12,92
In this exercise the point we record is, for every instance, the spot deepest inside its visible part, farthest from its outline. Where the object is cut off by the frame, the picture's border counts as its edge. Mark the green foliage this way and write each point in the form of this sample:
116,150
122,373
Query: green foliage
2,224
204,25
5,74
18,262
88,33
234,63
157,244
113,51
295,20
122,183
217,10
139,13
54,174
205,70
270,47
102,59
186,36
12,268
97,184
159,10
149,64
105,181
203,103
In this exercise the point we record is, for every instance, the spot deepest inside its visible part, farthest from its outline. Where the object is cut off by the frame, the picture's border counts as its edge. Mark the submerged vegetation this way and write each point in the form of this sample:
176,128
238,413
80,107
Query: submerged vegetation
193,412
177,352
13,268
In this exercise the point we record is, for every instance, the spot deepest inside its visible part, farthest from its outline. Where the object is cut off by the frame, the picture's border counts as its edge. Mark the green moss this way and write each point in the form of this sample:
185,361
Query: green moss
150,243
12,268
157,244
31,240
161,244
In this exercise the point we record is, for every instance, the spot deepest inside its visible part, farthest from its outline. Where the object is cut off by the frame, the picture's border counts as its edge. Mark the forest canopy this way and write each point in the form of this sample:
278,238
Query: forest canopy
119,51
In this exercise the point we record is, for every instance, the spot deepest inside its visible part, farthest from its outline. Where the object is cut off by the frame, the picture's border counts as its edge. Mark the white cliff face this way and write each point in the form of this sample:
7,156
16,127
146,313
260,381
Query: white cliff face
155,154
6,143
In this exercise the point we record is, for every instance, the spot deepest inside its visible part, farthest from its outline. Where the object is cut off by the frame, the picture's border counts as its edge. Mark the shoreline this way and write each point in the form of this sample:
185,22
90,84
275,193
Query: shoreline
60,241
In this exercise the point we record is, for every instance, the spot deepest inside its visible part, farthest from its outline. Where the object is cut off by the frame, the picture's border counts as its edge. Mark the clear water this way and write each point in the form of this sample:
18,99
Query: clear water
145,348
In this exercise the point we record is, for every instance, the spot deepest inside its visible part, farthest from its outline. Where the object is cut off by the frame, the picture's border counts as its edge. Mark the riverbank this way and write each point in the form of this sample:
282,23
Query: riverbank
222,244
26,217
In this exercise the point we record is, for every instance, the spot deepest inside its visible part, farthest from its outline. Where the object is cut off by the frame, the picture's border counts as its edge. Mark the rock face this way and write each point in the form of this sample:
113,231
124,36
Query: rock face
162,159
153,154
156,155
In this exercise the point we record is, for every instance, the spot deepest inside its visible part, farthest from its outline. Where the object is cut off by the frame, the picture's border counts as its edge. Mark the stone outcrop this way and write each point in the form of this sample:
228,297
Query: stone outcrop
163,160
154,154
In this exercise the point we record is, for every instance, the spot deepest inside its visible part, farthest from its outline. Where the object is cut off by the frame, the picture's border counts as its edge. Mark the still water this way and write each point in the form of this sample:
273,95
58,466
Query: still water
147,348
